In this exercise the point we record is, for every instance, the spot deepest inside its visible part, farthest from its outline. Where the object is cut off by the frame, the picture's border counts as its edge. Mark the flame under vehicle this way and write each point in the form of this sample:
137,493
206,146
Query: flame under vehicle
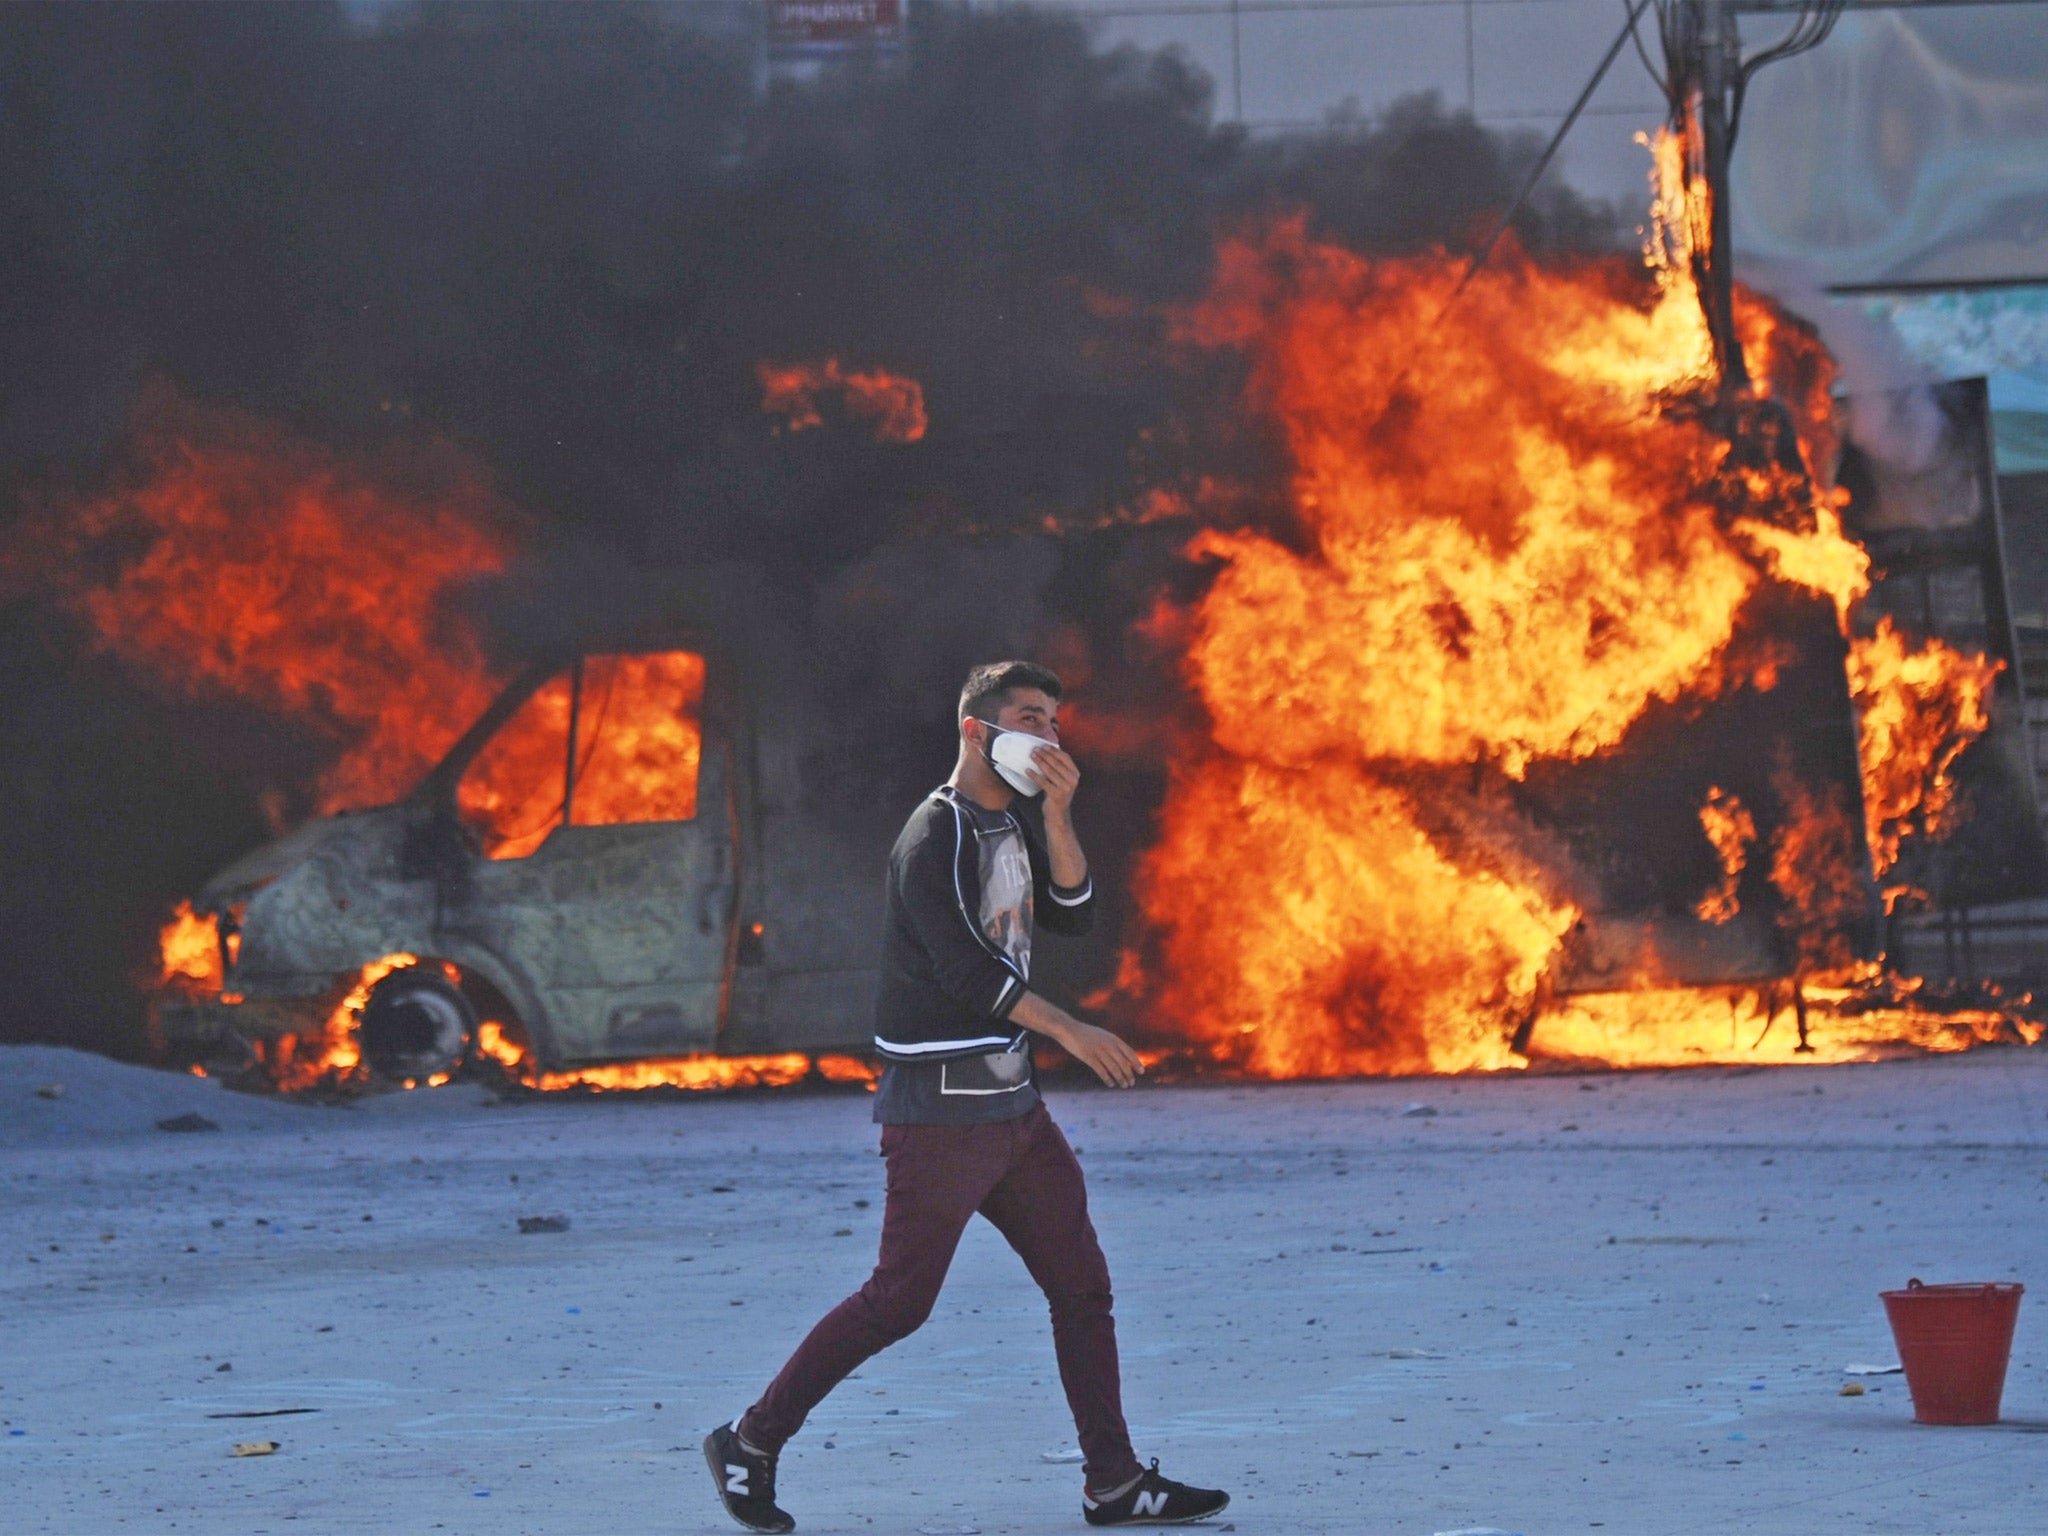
617,861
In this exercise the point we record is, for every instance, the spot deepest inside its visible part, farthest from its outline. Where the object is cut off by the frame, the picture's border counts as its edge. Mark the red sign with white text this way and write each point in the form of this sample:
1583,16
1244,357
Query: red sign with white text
834,23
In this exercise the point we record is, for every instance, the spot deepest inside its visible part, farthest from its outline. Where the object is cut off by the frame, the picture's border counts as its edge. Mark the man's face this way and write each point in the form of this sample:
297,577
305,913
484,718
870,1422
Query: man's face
1031,711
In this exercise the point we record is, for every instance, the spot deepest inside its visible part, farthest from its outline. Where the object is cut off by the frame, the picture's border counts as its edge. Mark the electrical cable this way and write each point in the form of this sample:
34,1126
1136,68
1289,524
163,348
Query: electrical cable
1809,31
1656,74
1479,257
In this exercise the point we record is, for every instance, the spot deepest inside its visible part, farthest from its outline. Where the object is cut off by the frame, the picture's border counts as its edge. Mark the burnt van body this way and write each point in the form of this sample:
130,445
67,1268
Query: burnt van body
597,897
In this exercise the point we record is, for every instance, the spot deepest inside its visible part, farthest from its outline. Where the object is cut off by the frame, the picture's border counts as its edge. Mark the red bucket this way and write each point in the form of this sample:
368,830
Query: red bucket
1954,1341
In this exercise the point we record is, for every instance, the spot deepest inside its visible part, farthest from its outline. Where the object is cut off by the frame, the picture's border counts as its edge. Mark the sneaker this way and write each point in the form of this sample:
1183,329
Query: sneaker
1149,1499
746,1480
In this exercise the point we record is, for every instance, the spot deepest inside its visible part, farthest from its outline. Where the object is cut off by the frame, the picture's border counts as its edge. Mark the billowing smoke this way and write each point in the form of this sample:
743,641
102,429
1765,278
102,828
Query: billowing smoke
560,241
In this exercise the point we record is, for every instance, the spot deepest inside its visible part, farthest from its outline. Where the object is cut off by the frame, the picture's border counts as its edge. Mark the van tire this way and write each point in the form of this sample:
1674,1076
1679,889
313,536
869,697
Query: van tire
415,1024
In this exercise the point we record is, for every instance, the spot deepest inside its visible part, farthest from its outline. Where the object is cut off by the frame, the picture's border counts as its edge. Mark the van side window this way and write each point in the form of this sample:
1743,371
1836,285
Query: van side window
511,795
639,739
638,722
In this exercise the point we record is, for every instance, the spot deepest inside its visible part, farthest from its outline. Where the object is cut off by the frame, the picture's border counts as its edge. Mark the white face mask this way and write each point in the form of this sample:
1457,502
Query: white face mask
1011,755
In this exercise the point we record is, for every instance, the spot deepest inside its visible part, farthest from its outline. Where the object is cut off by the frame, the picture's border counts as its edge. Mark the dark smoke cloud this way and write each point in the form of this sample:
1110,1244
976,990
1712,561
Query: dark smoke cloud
563,236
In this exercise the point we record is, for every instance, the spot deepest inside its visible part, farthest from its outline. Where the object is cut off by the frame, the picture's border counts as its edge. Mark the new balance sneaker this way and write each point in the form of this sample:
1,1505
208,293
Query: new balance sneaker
746,1480
1149,1499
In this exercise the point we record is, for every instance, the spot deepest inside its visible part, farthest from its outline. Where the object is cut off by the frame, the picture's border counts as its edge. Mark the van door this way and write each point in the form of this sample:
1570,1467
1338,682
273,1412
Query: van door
606,870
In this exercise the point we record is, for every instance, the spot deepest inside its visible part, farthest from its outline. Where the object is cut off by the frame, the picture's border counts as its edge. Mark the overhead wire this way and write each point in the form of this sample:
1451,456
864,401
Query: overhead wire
1485,250
1809,31
1679,21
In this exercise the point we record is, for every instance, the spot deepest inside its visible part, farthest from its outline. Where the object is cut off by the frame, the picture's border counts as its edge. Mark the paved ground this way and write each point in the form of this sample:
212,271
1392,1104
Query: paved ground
1557,1305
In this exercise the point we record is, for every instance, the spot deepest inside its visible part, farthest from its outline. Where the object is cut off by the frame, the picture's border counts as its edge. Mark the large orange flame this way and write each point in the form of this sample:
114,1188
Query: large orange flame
243,563
1511,538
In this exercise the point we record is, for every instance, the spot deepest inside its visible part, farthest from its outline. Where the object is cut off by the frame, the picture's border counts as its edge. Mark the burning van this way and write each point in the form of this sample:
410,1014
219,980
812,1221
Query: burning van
616,863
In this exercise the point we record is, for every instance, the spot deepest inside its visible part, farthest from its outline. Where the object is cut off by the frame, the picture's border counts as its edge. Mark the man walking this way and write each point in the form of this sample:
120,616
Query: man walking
963,1127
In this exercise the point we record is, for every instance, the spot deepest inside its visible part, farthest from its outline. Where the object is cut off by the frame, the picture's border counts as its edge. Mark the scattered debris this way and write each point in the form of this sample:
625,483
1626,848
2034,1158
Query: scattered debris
543,1223
1851,1389
50,1091
225,1365
1678,1242
1066,1457
1893,1369
187,1122
1479,1530
1413,1354
949,1530
256,1447
262,1413
1419,1112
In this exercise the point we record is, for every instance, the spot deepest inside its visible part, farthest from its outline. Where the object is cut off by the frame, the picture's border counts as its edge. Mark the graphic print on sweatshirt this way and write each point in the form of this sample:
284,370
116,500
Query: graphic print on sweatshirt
1006,912
1006,921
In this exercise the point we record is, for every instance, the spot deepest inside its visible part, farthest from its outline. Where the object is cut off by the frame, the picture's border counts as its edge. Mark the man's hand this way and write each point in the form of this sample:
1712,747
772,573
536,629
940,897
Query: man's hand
1103,1054
1058,775
1096,1049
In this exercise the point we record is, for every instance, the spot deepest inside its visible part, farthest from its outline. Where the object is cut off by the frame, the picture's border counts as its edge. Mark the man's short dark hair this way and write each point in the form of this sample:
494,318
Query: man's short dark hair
996,680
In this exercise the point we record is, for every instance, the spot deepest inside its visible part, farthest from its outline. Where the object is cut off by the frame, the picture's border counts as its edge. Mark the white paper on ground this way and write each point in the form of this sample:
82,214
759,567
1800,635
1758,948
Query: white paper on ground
1873,1370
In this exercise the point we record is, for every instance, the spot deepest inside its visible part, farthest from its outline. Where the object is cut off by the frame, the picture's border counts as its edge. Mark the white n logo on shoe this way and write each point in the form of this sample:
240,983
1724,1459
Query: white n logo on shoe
1153,1503
735,1479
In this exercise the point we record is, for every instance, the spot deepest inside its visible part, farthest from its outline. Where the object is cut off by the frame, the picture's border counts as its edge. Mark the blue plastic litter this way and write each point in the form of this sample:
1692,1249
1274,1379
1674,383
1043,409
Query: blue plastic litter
572,1311
481,1493
17,1432
1738,1437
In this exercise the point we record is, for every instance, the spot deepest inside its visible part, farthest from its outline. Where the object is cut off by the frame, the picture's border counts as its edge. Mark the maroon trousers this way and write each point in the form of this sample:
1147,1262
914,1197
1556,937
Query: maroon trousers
1022,1176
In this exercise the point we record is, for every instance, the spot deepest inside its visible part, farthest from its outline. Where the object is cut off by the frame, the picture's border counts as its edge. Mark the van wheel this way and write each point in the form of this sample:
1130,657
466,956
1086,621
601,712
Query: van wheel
415,1024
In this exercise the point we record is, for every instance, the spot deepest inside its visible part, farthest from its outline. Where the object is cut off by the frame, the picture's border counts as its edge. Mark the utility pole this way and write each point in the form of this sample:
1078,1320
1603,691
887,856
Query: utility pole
1705,79
1703,58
